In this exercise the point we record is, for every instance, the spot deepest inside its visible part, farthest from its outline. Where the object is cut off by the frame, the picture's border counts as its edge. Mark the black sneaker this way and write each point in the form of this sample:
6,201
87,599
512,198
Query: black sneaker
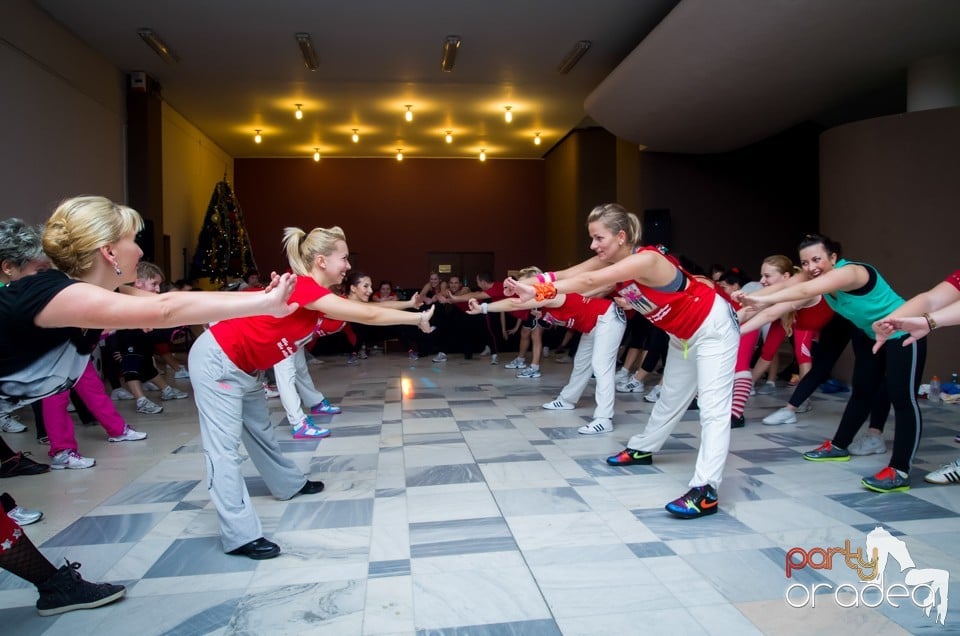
698,502
20,464
66,591
628,457
737,421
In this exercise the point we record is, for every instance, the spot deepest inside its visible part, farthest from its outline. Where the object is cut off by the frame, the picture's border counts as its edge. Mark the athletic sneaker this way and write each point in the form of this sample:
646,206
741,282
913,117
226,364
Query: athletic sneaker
629,457
546,352
781,416
121,394
529,372
563,358
71,459
493,359
150,386
516,363
699,501
353,359
303,430
172,393
887,480
11,424
181,374
868,445
148,407
622,375
827,452
309,421
652,395
946,474
957,438
632,385
128,435
767,388
599,425
485,352
20,464
440,357
66,591
270,390
325,408
737,421
559,405
805,407
25,516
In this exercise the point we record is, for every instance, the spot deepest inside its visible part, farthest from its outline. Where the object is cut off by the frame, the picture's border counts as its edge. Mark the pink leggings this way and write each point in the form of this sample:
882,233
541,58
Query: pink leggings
59,424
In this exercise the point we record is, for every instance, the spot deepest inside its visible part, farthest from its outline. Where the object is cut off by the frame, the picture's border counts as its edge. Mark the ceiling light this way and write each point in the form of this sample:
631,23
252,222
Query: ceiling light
409,114
483,155
158,45
299,113
307,51
449,137
257,138
399,154
536,139
356,135
316,154
507,116
450,46
573,56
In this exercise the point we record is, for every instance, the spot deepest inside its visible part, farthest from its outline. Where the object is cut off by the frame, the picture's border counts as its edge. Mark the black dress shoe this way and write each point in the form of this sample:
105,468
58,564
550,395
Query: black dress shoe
257,549
311,488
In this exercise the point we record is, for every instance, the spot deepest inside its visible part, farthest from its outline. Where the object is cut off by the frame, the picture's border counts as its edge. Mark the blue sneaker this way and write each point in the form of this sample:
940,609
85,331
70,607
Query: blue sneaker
699,501
325,408
827,452
887,480
307,429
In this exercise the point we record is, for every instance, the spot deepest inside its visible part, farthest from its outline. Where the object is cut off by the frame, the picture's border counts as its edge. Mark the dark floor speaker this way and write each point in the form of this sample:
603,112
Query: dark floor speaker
657,227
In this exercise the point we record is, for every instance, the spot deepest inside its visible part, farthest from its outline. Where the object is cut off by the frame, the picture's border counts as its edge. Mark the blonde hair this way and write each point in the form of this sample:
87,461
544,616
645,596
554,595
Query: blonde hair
527,272
82,225
303,249
616,218
783,263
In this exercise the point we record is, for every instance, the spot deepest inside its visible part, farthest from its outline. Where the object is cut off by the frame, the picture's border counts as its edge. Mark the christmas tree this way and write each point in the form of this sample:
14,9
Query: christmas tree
223,248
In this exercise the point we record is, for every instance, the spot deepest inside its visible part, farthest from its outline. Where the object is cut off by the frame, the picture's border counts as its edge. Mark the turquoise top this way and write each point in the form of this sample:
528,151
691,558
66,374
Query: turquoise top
867,304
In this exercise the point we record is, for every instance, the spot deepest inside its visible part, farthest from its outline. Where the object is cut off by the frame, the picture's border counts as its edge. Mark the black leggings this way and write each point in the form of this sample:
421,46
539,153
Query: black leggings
656,348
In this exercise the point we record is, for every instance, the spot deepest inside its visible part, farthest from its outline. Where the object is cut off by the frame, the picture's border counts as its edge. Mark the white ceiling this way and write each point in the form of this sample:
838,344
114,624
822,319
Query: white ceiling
679,76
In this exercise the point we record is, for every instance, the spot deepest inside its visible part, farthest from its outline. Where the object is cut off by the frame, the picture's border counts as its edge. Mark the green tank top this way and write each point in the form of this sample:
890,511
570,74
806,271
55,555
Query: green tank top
867,304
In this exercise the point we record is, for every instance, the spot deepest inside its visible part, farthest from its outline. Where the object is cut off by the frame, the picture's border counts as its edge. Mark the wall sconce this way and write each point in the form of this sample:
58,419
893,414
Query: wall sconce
399,154
356,135
536,139
507,116
316,154
257,138
483,155
299,113
449,137
409,114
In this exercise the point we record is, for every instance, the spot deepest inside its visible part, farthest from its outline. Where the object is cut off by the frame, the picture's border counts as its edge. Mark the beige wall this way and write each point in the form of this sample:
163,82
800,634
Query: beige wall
62,110
192,165
890,193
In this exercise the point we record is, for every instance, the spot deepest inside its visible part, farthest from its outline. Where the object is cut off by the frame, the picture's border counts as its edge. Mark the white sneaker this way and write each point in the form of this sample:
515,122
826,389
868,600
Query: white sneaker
440,357
24,516
867,445
150,386
767,388
128,435
563,359
71,459
805,407
652,395
946,474
516,363
622,375
632,385
529,372
148,407
559,405
181,374
546,352
599,425
10,424
172,393
121,394
485,352
783,416
493,359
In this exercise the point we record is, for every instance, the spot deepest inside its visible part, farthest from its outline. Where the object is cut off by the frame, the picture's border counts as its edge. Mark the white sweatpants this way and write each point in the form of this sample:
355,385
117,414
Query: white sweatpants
703,367
597,353
296,386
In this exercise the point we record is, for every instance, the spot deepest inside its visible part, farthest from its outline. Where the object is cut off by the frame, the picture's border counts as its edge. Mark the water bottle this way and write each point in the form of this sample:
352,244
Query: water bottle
933,393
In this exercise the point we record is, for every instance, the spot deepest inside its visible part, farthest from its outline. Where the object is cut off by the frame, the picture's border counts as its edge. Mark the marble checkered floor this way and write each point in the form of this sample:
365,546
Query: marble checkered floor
459,506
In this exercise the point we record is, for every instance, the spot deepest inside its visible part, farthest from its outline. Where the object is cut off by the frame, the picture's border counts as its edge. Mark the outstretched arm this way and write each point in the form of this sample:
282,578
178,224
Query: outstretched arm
845,278
370,314
939,307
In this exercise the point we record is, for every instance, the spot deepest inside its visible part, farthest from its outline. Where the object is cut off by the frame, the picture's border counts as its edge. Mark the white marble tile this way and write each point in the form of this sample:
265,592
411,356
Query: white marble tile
389,606
459,501
460,562
436,455
531,474
654,622
565,530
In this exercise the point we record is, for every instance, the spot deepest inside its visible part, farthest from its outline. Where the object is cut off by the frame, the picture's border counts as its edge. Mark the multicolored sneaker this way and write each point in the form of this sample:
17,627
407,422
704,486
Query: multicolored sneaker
304,431
325,408
887,480
827,452
629,457
699,501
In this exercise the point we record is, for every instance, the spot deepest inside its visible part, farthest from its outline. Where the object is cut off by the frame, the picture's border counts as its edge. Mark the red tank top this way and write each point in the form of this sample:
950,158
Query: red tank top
813,318
954,279
577,312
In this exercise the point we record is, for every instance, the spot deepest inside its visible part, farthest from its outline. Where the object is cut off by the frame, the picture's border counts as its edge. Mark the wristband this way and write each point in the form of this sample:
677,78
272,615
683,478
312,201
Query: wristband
541,278
483,308
551,277
930,321
545,291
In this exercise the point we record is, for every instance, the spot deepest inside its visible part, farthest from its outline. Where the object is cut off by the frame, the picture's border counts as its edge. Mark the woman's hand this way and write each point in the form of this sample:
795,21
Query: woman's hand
757,302
522,291
622,303
473,307
425,317
278,293
917,327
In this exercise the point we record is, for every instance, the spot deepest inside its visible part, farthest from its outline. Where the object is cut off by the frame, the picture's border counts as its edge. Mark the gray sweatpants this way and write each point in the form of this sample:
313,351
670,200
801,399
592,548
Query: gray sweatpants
232,407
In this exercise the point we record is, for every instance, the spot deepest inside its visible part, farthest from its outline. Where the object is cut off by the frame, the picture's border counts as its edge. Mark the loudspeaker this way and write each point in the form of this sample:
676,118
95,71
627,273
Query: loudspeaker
657,227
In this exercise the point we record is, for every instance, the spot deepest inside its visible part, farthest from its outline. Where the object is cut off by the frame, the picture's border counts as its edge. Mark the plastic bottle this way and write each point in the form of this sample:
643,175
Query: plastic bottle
933,393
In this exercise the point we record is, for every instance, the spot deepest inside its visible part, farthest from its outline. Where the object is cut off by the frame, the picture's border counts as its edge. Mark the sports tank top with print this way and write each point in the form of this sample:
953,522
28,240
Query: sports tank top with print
577,312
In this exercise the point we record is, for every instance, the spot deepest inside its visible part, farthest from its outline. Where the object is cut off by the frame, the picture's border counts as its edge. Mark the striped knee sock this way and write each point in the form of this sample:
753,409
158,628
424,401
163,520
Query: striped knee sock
742,383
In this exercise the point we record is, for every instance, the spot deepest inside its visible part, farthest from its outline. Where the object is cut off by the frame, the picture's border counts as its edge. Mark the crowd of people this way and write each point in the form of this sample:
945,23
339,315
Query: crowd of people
78,287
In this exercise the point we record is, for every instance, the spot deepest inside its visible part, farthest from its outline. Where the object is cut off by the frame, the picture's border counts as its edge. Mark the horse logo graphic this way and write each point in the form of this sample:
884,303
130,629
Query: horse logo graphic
883,546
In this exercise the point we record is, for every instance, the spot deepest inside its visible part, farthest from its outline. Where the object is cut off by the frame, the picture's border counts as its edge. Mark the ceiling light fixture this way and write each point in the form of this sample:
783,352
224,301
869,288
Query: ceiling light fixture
257,138
159,47
483,154
536,139
449,137
307,51
573,56
316,154
299,113
399,154
507,116
409,114
356,135
450,46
